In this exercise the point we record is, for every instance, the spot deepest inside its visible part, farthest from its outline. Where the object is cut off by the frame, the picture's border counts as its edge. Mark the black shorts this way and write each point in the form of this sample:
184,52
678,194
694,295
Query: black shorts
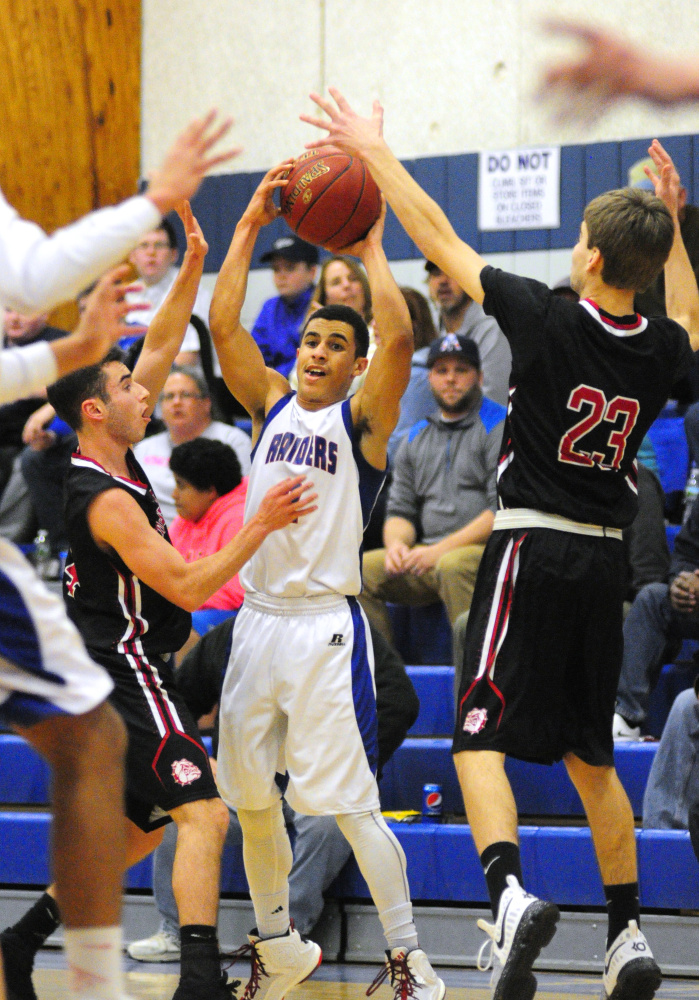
543,647
166,762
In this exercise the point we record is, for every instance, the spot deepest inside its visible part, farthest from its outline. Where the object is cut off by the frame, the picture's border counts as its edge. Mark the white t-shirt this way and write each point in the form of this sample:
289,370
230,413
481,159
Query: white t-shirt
155,296
153,454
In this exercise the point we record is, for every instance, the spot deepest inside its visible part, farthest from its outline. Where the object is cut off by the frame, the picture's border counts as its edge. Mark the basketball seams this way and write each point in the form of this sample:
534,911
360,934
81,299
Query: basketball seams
347,221
308,164
321,193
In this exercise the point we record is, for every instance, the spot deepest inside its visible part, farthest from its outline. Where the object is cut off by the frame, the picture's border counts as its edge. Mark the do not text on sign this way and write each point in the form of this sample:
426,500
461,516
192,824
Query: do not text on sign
519,189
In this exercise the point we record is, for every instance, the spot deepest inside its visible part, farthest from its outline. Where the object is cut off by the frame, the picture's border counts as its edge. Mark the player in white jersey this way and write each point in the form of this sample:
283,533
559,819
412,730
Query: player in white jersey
298,699
50,690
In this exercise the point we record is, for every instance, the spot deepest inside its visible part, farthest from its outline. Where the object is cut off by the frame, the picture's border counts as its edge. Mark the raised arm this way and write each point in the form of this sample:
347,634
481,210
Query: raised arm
420,216
376,406
242,364
39,271
167,328
681,292
25,370
117,523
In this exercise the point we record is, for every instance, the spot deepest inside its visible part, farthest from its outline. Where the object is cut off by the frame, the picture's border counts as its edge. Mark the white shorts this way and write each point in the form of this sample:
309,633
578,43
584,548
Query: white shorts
299,701
44,666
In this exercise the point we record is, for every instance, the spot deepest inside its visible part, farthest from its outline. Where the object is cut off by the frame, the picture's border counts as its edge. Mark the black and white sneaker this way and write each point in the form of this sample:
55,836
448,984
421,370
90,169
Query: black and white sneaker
630,971
523,927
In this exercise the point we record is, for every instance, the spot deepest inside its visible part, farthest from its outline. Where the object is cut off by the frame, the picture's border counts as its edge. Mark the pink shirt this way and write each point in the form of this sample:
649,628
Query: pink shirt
194,539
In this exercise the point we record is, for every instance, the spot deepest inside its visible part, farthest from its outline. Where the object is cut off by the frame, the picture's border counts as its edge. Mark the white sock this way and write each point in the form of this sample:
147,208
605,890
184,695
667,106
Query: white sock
381,861
94,963
268,860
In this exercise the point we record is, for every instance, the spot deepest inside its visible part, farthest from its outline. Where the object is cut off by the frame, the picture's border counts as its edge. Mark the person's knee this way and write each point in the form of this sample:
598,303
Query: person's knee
259,824
589,778
461,562
373,569
209,815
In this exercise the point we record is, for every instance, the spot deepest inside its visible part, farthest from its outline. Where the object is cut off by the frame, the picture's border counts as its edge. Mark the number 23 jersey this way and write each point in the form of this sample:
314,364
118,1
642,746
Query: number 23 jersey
585,388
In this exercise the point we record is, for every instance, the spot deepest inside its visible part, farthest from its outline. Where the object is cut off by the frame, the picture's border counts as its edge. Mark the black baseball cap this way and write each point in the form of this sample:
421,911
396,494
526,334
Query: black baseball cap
431,267
291,248
454,345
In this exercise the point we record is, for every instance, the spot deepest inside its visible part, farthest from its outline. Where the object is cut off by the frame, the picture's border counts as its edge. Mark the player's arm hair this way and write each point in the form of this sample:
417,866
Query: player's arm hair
166,331
681,292
118,524
242,365
425,222
377,404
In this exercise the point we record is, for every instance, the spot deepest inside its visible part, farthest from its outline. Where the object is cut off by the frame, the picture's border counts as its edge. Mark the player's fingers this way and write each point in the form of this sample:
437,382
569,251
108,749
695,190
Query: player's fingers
563,26
209,139
323,103
214,161
317,122
340,99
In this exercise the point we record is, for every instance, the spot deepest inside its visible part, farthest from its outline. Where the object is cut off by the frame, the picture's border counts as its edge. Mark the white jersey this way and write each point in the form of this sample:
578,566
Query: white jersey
321,554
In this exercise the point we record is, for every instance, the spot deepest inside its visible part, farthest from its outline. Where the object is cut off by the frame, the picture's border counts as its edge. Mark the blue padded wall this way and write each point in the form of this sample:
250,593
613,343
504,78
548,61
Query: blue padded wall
586,171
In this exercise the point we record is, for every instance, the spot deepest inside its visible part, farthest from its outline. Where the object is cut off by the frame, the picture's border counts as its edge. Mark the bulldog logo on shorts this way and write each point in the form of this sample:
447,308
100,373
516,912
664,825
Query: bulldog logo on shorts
475,720
185,772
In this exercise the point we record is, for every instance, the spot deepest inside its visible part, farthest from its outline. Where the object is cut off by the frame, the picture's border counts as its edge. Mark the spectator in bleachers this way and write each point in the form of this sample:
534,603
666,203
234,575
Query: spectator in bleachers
320,850
277,329
459,313
154,260
186,412
673,783
418,401
209,496
661,616
442,498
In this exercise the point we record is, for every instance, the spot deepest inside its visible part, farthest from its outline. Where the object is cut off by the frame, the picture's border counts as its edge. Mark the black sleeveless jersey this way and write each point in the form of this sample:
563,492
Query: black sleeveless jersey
112,609
584,389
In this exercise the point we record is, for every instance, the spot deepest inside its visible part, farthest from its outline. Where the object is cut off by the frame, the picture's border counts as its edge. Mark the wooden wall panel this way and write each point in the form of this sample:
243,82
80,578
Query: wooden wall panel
70,100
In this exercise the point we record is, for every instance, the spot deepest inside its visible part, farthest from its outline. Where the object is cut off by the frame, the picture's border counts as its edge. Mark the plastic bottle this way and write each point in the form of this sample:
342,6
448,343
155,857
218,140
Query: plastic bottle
42,552
691,492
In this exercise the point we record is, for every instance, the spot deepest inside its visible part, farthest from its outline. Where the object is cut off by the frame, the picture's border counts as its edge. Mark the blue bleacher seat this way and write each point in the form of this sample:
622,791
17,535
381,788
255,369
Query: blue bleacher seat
207,618
435,689
25,777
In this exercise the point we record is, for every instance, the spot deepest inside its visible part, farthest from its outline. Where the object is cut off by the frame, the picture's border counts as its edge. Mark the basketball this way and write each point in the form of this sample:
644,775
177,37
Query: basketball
330,198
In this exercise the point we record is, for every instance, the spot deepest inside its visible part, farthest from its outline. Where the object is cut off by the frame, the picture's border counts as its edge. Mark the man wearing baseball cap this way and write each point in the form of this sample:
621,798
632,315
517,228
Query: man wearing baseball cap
442,497
458,313
277,329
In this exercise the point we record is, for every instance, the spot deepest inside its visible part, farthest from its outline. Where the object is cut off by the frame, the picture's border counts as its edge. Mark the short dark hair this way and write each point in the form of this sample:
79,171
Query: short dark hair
68,394
344,314
633,230
205,463
167,227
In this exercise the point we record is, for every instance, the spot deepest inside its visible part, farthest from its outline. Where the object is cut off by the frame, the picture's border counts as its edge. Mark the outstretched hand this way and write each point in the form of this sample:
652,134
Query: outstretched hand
197,247
609,68
101,323
286,502
262,208
188,161
346,130
666,182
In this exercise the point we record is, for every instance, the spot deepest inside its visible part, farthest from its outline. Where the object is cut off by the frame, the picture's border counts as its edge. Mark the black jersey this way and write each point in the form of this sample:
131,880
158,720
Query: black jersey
112,609
584,389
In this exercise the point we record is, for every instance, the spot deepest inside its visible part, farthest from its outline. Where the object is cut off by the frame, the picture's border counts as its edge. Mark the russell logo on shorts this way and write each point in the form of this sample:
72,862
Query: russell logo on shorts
185,772
475,720
337,640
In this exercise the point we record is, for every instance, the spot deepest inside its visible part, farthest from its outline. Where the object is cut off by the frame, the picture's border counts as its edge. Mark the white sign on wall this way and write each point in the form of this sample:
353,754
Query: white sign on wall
519,189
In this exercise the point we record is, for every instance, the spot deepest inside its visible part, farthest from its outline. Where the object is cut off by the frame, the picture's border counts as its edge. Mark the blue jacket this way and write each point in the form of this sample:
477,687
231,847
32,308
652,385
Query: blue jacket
277,330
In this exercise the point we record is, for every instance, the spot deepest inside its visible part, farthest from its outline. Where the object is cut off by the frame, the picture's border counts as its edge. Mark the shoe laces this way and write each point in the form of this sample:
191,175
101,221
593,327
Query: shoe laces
489,943
257,969
403,981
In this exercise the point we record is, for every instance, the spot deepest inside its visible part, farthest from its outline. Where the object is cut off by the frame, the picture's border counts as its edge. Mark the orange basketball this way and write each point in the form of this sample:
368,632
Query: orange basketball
330,198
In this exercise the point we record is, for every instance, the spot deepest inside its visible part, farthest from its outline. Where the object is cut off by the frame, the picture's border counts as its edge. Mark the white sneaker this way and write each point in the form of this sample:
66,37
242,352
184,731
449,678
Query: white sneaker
161,947
621,730
523,927
630,971
411,975
278,964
